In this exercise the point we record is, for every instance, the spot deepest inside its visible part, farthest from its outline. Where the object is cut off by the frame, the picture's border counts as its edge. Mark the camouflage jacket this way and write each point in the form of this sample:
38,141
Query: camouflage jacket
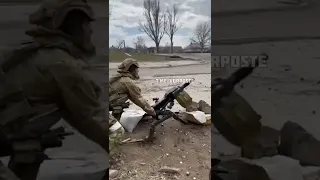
52,76
123,87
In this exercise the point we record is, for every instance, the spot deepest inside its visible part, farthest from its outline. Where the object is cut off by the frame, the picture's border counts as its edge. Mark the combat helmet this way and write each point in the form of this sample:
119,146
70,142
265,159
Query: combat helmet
52,13
127,63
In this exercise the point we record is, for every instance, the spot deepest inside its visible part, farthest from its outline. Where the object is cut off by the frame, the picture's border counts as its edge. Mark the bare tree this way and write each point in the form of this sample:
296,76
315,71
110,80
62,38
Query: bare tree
202,34
154,26
139,43
172,23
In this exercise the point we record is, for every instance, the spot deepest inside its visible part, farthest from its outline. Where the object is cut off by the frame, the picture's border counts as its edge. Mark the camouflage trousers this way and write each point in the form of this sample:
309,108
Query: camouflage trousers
116,132
6,174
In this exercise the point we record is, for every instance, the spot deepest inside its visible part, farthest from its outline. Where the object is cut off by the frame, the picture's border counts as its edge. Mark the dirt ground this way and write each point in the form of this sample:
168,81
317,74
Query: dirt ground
186,147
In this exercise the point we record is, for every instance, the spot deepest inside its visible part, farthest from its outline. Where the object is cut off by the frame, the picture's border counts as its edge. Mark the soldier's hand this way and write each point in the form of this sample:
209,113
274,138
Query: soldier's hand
150,115
153,113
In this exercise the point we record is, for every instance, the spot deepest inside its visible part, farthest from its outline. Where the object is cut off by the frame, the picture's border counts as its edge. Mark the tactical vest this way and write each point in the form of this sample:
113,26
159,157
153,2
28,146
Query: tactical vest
12,98
115,99
14,104
112,91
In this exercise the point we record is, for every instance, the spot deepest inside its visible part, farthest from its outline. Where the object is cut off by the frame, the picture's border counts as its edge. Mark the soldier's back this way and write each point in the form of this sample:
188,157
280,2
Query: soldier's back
37,78
32,75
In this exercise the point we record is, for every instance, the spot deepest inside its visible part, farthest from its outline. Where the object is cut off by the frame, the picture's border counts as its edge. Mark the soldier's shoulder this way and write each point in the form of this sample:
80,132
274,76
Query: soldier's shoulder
59,61
57,57
125,79
52,56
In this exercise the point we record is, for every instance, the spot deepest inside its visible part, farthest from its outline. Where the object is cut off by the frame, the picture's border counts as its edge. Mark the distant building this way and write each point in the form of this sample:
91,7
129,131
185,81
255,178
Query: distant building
196,48
152,50
193,48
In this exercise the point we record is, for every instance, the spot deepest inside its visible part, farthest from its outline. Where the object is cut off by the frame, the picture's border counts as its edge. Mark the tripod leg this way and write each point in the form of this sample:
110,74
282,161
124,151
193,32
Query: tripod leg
176,117
154,125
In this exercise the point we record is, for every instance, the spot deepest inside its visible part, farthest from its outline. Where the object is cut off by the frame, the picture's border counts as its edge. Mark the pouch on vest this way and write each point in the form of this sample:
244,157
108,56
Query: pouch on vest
13,104
115,99
112,91
236,120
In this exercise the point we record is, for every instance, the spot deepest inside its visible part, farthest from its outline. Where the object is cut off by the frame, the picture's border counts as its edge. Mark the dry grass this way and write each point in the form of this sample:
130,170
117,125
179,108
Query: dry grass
120,56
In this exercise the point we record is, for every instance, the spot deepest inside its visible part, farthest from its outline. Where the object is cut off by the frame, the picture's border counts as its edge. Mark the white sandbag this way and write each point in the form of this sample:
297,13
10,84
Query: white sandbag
130,119
115,127
199,117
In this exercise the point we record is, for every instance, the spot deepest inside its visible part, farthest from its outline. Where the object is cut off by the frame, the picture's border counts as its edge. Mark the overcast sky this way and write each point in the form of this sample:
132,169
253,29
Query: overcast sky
123,24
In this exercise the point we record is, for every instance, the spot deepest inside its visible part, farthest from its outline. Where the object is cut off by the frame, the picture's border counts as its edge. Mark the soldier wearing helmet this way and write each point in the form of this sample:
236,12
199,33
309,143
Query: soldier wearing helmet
49,75
123,87
68,20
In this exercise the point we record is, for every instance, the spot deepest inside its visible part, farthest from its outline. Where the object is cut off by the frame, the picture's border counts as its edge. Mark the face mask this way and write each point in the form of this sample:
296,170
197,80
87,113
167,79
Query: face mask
135,73
83,39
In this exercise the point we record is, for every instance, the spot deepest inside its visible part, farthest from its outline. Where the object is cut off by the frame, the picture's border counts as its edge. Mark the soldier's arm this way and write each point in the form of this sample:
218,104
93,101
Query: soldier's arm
80,103
135,96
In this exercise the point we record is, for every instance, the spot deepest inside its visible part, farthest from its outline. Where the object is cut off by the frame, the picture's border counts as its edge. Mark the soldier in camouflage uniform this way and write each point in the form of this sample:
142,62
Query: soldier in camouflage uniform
122,87
48,73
